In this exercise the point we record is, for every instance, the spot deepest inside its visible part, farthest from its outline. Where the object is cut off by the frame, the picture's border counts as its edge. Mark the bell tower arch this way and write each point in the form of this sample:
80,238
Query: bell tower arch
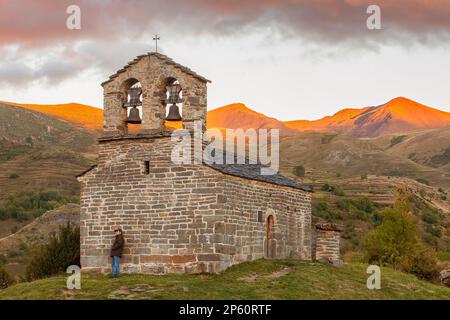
149,91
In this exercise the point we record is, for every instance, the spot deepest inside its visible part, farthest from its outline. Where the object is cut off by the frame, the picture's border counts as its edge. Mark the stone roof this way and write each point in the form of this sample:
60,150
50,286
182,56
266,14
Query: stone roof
160,56
253,172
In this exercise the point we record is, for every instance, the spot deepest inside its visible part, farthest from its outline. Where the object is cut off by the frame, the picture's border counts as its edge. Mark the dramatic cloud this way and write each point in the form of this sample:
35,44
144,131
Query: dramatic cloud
123,27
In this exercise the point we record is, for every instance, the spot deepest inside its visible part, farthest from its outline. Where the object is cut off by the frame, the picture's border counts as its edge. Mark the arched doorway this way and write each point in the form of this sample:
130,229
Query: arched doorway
271,244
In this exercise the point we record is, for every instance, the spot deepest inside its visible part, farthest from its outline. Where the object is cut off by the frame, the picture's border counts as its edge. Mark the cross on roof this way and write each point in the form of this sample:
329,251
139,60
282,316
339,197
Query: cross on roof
156,38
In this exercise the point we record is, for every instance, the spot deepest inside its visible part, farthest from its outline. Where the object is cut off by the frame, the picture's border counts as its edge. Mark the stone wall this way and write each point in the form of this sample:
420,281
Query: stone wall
327,242
245,238
183,218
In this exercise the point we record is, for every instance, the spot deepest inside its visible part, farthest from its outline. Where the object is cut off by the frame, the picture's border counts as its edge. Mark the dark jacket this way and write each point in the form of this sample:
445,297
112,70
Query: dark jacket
117,247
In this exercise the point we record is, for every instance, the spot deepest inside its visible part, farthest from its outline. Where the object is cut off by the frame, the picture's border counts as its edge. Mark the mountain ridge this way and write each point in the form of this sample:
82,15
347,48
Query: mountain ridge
396,116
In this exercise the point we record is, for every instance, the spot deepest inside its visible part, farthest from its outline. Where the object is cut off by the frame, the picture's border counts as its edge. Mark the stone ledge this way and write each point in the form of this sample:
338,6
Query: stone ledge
139,135
329,227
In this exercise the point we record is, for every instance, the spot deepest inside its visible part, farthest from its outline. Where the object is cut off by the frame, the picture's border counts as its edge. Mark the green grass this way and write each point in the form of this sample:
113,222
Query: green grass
249,280
444,255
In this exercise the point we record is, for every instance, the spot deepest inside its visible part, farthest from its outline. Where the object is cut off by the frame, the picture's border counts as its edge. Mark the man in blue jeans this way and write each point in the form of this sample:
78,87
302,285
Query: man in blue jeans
116,252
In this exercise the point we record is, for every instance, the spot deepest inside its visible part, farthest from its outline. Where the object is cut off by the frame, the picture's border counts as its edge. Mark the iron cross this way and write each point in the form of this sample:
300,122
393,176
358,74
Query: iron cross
156,38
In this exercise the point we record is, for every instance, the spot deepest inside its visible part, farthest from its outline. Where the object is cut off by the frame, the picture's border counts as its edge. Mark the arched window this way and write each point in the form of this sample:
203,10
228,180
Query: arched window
133,104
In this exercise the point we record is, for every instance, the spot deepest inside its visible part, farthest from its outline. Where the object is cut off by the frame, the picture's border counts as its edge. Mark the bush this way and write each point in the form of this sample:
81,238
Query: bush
338,191
324,211
333,189
299,171
61,251
395,242
397,140
13,176
25,205
5,279
430,218
423,264
423,181
364,176
357,208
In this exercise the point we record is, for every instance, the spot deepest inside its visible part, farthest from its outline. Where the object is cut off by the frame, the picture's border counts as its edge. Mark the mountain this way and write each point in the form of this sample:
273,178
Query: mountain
237,115
81,115
398,115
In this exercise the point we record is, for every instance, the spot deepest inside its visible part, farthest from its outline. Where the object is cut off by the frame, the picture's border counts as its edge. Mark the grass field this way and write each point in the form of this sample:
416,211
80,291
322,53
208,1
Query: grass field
262,279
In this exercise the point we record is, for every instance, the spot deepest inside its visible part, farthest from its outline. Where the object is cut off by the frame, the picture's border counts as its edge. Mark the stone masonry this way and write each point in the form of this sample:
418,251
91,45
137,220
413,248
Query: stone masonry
327,242
180,218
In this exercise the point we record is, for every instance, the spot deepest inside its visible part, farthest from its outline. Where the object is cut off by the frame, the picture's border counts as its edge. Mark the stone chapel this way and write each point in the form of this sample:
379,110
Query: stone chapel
183,218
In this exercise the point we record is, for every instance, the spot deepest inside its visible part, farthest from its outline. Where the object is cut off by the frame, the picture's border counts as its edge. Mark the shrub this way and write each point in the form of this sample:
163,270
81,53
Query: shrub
24,205
3,214
323,210
397,140
434,231
338,191
5,279
429,217
327,139
395,242
61,251
423,264
13,176
358,208
423,181
364,176
299,171
441,159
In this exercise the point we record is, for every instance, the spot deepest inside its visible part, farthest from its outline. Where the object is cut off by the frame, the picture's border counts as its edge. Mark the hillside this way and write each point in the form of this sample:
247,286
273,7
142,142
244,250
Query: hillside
259,280
396,116
415,155
81,115
17,247
40,152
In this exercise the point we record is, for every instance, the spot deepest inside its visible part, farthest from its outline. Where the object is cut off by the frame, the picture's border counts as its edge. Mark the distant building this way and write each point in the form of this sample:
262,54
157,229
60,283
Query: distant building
180,218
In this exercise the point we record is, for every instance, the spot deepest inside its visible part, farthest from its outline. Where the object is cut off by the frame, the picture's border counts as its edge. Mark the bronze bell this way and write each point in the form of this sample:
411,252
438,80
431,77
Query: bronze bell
134,117
174,113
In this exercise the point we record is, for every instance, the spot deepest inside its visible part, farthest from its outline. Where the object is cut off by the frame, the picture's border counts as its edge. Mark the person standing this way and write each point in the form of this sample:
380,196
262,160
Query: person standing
116,252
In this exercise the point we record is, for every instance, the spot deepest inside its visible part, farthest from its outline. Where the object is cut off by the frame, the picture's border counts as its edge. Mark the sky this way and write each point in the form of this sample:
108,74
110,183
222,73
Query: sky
288,59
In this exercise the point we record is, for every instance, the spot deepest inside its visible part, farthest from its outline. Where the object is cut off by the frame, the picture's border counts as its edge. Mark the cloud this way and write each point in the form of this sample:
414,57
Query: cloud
44,21
123,27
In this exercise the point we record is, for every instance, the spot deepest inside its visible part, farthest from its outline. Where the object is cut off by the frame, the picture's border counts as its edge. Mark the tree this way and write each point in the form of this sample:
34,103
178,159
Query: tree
299,171
61,251
395,241
5,279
